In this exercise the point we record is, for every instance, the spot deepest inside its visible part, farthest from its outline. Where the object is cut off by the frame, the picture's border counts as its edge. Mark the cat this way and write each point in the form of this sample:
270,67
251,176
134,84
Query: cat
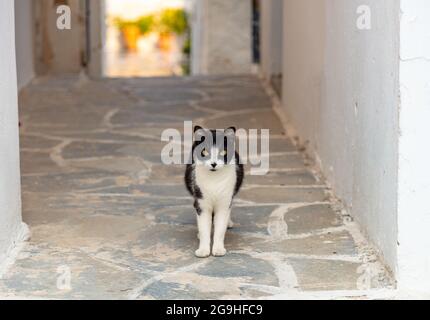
213,178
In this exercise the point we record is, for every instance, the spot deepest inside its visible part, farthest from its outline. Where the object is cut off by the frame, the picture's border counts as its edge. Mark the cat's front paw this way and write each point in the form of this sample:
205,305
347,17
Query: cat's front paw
218,251
203,252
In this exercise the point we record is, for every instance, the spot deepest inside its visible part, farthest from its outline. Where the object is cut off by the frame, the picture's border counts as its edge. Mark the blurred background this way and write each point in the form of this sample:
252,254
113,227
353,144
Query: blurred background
147,38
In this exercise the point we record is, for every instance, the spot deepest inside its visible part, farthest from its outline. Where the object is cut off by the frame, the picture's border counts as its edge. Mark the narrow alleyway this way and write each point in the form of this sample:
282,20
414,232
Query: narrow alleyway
99,201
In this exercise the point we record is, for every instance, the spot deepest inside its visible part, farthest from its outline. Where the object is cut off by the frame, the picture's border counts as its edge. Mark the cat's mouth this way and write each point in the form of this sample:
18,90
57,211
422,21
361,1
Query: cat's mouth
213,170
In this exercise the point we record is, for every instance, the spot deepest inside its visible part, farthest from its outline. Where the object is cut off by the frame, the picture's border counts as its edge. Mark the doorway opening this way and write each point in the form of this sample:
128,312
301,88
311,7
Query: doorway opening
146,38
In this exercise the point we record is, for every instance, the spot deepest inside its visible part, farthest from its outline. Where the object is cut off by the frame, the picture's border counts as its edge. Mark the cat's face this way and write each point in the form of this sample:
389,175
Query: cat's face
214,149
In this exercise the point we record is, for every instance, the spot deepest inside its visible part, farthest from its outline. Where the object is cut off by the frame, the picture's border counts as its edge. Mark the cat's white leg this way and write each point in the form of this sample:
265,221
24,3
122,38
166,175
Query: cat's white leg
204,224
221,221
230,223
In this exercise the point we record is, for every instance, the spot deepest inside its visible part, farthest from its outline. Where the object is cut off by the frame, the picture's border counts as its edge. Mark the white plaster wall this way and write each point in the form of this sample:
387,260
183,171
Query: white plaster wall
414,154
340,92
271,37
24,41
96,61
197,37
221,37
10,200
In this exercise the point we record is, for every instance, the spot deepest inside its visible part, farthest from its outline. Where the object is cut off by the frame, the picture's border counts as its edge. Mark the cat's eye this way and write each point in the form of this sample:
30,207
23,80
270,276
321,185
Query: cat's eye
223,153
205,153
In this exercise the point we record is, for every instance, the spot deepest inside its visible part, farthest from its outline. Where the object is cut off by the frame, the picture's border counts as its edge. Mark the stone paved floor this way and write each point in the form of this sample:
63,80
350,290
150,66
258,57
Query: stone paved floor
99,201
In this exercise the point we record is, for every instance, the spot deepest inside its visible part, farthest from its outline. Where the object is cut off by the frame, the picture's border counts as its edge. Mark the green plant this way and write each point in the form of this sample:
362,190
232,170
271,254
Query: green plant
173,21
146,24
168,21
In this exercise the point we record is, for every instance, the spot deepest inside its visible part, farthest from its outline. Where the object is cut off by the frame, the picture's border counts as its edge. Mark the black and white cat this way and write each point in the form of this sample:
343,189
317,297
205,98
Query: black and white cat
213,178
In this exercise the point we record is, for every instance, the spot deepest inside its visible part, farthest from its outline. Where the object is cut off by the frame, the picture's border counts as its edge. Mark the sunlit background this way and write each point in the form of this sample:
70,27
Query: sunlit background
147,38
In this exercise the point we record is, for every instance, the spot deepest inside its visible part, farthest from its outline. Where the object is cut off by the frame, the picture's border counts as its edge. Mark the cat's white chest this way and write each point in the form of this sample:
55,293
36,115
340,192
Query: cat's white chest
216,186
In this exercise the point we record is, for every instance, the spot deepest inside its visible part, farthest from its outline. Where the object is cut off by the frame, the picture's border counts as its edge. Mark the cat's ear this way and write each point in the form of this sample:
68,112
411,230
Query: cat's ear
199,133
230,131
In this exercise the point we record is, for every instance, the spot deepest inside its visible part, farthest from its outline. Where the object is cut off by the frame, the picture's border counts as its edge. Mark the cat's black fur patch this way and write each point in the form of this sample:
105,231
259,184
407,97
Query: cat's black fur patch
197,207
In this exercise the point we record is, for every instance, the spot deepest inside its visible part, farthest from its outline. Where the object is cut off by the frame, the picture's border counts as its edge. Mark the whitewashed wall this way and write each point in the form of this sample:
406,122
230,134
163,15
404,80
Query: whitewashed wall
340,91
10,201
97,38
414,152
271,37
221,37
24,28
